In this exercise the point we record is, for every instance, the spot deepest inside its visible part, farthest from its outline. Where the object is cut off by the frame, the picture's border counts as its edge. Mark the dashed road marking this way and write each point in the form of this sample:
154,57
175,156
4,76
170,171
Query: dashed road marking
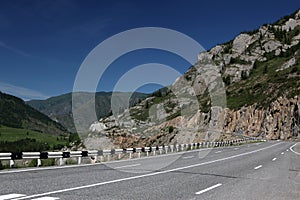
259,166
218,151
187,157
125,166
282,153
274,159
208,189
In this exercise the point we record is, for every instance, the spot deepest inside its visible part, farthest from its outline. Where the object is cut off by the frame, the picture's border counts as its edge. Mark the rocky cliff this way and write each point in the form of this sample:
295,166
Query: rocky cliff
249,86
280,120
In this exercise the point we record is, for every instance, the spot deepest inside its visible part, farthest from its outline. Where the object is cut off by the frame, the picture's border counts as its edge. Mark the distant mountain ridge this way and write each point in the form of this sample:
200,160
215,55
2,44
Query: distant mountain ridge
59,108
14,112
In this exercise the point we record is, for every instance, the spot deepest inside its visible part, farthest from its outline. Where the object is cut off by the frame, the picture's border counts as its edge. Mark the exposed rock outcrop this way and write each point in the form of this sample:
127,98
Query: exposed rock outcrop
279,121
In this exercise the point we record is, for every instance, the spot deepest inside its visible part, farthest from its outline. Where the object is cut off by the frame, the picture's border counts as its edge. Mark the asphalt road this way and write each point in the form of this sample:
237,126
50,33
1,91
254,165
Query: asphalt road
268,170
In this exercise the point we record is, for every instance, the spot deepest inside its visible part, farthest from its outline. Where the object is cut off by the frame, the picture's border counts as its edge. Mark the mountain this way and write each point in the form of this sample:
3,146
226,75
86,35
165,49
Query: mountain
249,86
14,112
59,108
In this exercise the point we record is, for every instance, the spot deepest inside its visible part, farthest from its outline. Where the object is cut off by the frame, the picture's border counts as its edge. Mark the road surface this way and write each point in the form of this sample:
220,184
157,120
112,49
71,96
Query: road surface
268,170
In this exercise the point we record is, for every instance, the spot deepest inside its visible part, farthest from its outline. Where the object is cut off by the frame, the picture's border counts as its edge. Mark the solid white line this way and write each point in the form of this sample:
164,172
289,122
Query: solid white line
208,189
145,175
274,159
218,151
11,196
292,150
125,166
187,157
259,166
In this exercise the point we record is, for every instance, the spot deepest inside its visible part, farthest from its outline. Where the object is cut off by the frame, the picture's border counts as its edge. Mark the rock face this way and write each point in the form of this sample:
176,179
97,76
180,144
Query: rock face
279,121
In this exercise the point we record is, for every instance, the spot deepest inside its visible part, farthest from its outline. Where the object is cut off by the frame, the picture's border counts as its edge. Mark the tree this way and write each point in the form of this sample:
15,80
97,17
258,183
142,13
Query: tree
227,80
255,64
171,129
146,105
244,75
265,69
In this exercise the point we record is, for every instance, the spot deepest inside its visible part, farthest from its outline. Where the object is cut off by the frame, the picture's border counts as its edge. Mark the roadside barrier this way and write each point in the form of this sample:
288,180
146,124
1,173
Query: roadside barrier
105,155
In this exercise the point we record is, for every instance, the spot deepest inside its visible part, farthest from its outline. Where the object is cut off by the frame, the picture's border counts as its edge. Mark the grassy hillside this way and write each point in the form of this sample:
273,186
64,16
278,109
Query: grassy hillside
23,128
14,112
18,140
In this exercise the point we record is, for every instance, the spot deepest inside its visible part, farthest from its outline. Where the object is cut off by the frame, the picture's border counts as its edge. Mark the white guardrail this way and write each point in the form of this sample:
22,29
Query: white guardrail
105,155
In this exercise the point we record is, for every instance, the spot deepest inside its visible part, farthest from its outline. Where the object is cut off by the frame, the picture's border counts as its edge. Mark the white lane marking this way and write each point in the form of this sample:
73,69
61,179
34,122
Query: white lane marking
236,148
282,153
145,175
287,150
125,166
274,159
187,157
259,166
14,196
208,189
292,150
218,152
11,196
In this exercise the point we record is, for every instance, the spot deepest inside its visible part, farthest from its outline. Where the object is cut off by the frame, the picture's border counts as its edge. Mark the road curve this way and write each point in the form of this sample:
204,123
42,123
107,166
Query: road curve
268,170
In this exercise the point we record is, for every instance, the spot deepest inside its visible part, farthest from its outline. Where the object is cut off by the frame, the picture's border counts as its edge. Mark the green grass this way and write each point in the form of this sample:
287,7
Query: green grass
8,134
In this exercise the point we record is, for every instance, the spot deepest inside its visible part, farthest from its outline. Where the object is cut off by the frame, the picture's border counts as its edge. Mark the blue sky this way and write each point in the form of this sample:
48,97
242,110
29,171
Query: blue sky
43,42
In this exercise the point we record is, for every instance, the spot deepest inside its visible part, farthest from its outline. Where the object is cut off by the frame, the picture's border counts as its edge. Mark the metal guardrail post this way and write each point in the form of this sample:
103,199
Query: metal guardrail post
57,155
138,150
76,154
147,150
7,156
166,149
32,155
106,153
130,151
160,148
153,149
172,148
119,152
